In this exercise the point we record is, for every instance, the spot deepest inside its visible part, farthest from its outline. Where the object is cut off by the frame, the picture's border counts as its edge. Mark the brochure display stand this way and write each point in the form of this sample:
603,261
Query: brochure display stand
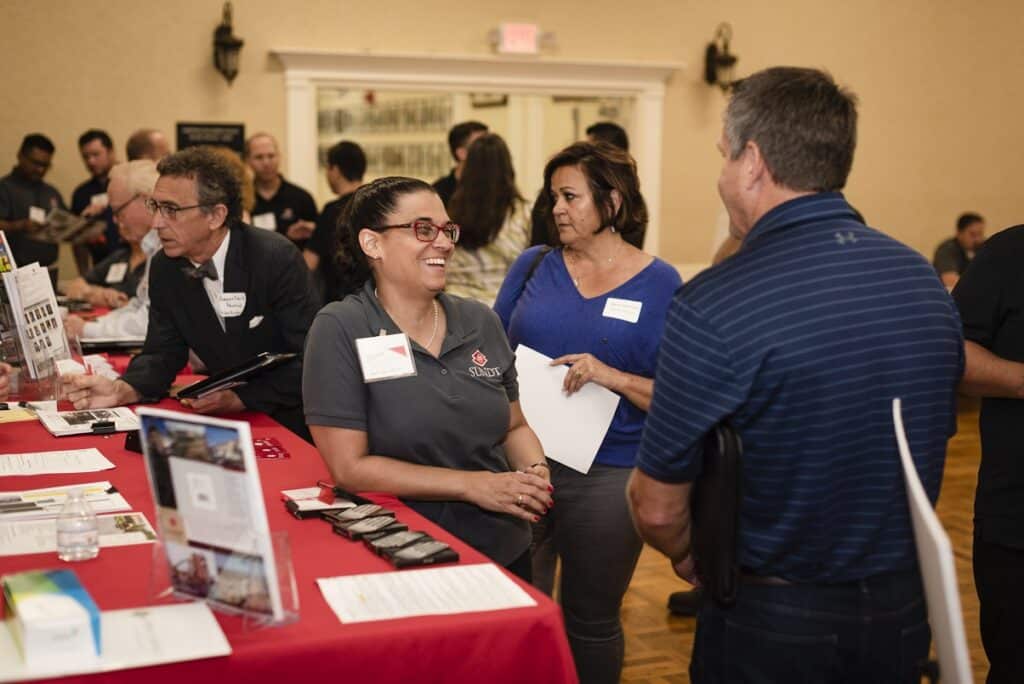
230,592
215,543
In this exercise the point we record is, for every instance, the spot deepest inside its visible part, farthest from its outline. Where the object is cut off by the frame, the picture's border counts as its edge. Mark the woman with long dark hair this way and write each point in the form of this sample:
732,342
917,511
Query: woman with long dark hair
494,217
441,426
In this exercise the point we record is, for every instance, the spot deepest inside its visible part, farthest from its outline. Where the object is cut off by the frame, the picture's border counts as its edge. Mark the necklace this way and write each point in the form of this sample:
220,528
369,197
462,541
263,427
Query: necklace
433,330
576,261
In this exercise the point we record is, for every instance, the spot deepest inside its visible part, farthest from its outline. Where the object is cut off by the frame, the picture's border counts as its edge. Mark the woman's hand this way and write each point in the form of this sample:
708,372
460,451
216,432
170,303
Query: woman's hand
524,495
584,368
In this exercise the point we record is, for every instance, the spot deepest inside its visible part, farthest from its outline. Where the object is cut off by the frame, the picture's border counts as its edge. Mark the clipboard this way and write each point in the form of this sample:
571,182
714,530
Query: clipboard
235,376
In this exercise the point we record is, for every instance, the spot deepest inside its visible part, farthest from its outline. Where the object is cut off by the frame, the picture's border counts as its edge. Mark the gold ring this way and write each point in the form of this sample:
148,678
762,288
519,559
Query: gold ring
579,373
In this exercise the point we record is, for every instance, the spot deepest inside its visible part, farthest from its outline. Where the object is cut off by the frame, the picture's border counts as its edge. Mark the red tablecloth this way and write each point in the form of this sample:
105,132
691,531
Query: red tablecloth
517,645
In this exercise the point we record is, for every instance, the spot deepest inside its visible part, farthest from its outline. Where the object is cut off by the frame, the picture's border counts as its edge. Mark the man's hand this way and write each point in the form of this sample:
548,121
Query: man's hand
687,569
74,325
96,391
224,401
300,230
93,210
5,380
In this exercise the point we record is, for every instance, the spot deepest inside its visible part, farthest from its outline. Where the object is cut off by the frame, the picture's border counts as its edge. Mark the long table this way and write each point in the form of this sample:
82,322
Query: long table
516,645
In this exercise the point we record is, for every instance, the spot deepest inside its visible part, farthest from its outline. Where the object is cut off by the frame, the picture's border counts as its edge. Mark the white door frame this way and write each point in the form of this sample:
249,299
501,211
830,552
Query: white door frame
305,70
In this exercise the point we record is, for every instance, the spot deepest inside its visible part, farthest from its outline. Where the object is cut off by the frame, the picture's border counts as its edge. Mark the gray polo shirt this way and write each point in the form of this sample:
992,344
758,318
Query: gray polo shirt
17,196
453,413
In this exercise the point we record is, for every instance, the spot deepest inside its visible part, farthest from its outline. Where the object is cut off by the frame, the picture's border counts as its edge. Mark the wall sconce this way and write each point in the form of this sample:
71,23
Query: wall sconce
226,46
718,62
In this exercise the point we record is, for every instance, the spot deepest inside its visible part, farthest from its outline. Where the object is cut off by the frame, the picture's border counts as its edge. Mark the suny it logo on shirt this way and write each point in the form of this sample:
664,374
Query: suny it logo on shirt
480,369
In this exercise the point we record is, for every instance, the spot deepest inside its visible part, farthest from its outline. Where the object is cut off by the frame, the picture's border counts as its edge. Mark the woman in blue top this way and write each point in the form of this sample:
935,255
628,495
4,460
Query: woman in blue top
597,305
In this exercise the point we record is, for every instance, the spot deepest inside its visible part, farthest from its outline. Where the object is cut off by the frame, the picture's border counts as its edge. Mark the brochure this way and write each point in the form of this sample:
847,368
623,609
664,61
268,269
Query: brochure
89,421
210,512
40,536
234,377
30,306
35,504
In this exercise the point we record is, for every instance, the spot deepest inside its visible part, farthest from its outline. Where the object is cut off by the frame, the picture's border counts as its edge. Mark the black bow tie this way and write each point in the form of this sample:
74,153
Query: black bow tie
207,270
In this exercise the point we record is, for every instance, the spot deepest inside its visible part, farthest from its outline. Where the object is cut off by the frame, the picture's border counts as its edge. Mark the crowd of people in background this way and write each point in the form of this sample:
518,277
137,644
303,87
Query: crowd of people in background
790,338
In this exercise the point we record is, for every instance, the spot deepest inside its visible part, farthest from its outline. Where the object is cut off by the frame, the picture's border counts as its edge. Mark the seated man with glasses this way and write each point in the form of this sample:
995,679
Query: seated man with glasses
219,287
116,279
131,184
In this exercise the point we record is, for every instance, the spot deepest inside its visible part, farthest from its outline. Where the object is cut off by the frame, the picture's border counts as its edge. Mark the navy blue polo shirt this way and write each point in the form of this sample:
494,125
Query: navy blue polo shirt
801,340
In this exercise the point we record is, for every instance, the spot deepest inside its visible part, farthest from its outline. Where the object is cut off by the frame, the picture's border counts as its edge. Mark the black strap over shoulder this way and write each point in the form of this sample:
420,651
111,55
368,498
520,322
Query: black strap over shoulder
541,253
716,514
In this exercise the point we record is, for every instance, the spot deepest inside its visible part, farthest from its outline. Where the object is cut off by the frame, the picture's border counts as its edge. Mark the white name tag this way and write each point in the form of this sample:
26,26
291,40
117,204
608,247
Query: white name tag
265,221
385,357
116,272
622,309
37,215
100,199
232,304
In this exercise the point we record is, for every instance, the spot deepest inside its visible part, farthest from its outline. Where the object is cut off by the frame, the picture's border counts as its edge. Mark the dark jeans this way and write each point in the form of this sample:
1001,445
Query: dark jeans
999,578
873,630
591,531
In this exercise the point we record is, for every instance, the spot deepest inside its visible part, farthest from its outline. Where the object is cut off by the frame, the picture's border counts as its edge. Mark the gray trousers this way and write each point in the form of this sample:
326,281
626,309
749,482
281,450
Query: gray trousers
590,530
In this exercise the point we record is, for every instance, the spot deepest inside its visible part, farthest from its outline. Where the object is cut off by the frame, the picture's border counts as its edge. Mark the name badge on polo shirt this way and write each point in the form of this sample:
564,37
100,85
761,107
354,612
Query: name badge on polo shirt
116,272
385,357
623,309
100,199
265,221
231,304
37,215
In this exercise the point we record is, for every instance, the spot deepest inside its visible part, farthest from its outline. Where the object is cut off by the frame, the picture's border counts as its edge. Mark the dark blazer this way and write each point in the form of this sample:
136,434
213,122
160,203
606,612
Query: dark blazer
268,268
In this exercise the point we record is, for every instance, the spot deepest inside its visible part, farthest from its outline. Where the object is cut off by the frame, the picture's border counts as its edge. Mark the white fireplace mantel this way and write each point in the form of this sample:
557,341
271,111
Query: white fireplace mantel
305,70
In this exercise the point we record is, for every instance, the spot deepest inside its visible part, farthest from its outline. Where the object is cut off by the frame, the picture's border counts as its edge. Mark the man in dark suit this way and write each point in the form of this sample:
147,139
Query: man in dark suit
221,288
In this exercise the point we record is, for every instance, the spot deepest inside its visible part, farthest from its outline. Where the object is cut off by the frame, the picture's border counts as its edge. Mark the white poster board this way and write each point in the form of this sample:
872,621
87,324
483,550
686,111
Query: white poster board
938,571
210,512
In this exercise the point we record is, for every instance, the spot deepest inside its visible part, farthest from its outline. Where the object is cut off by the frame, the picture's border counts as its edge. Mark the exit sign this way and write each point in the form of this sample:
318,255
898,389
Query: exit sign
520,39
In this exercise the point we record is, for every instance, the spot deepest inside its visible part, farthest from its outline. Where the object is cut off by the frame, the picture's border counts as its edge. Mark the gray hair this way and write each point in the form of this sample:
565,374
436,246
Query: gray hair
139,175
803,123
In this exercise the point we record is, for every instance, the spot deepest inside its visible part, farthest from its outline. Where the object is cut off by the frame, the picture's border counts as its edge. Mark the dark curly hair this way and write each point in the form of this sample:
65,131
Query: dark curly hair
216,181
367,209
606,168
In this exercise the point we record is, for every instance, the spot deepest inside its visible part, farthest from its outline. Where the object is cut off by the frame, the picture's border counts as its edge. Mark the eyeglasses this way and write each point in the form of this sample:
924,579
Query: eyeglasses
425,231
170,211
117,210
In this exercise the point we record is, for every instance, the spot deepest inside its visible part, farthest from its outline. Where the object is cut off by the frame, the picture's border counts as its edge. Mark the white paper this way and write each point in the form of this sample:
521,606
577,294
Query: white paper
430,591
37,215
938,570
231,304
136,637
265,221
36,504
570,428
100,199
385,357
117,272
53,462
63,423
623,309
40,536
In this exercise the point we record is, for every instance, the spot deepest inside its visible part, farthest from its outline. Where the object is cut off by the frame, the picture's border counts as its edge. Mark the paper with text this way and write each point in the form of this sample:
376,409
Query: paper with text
40,536
54,462
430,591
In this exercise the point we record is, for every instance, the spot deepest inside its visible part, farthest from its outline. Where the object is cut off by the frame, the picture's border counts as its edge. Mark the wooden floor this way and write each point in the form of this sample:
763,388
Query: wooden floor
658,644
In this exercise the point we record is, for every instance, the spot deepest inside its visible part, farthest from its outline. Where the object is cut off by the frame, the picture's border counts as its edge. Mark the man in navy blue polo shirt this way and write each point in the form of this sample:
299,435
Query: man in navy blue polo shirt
801,340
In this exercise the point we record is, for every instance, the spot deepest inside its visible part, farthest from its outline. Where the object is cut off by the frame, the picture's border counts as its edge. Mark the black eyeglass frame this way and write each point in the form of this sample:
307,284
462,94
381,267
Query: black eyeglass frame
169,211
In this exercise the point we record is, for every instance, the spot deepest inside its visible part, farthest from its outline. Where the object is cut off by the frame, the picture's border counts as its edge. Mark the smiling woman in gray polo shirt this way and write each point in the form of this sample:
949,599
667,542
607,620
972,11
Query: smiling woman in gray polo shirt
450,439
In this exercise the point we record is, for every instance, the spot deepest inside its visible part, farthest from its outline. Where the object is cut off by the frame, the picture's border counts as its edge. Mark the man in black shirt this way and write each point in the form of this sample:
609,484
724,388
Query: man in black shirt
952,256
280,205
990,296
346,164
25,200
460,137
90,198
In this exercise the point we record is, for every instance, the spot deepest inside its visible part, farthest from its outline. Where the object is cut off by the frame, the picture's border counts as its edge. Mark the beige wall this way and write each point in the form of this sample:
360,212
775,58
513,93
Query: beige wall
937,80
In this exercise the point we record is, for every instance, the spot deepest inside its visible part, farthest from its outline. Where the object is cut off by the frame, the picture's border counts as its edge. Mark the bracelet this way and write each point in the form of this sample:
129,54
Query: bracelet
541,463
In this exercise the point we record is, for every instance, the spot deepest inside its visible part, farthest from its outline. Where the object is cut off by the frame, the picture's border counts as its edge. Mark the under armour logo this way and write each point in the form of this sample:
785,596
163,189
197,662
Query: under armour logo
848,237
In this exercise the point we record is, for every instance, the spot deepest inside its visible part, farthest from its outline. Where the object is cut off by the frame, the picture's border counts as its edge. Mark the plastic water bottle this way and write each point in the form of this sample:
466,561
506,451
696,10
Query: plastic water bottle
78,536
